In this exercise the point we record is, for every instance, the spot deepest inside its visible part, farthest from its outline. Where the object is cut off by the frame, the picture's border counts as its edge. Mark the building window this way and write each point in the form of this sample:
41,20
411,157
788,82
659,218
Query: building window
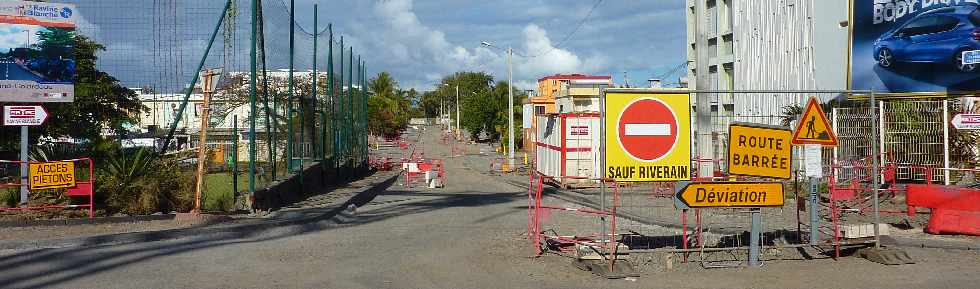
539,109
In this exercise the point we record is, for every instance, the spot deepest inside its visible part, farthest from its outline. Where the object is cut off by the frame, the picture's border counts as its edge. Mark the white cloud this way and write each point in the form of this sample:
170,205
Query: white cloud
409,40
406,40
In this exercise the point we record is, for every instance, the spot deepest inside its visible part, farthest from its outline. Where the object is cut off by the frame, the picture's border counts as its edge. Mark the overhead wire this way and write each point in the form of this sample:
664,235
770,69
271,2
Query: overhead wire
569,35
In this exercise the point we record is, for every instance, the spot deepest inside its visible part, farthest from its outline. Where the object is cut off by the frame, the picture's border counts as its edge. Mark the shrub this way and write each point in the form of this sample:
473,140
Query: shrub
141,183
9,198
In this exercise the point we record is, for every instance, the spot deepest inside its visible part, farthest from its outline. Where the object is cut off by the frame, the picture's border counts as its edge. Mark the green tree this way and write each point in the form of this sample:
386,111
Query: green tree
483,103
100,102
389,108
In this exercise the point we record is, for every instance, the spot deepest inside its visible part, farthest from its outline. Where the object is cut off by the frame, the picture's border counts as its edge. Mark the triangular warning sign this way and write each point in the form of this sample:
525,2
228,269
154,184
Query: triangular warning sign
813,127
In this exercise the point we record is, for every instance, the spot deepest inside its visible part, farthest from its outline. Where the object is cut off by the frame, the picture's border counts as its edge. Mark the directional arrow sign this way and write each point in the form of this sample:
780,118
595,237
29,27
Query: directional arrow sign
728,195
966,121
24,115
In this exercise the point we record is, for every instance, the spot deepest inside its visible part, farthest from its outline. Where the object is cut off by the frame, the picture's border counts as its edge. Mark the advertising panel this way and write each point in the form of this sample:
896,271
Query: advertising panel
37,60
914,47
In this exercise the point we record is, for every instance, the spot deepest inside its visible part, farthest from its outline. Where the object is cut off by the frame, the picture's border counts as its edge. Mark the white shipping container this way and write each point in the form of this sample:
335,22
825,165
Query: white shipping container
567,148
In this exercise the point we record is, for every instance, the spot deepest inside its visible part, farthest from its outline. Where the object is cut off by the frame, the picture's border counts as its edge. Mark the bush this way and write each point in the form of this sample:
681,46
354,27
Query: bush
141,183
9,198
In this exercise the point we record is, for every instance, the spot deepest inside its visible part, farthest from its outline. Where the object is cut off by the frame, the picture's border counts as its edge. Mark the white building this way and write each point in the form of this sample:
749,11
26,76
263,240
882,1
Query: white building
580,95
761,45
765,44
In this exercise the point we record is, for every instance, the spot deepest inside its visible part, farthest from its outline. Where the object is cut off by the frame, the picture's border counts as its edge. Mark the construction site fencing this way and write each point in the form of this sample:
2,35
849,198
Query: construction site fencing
79,196
290,93
899,141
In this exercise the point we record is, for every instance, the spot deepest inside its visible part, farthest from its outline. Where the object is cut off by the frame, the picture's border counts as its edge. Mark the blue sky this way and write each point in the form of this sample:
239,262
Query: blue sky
13,36
418,41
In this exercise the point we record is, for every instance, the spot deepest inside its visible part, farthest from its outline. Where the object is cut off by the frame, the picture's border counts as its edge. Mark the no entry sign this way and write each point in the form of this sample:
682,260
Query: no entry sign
647,129
648,135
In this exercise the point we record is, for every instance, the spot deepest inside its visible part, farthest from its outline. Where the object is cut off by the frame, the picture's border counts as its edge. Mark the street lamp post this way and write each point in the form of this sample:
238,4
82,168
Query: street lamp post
510,103
458,133
457,110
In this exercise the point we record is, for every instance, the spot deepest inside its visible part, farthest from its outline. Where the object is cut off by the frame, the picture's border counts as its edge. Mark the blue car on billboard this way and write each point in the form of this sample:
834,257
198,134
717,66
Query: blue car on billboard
935,36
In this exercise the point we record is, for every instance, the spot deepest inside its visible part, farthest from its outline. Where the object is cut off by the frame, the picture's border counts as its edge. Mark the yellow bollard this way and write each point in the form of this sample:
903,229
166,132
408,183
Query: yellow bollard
525,158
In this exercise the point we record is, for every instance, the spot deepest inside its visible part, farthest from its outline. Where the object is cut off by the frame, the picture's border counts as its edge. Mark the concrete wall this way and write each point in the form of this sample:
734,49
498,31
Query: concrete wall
315,180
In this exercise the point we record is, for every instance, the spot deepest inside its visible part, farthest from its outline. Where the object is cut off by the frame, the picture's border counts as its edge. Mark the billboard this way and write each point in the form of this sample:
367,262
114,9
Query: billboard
914,47
37,59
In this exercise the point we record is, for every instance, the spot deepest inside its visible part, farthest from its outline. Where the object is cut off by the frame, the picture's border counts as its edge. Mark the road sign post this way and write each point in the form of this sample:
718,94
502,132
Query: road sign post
754,245
814,130
24,116
23,166
733,195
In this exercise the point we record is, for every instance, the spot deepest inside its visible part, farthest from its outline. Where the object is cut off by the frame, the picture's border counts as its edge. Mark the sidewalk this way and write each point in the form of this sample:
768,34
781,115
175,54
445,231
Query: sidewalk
318,208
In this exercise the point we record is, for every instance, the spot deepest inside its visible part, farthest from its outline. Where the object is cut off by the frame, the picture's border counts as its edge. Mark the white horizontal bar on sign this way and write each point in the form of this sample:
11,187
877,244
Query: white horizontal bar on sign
647,129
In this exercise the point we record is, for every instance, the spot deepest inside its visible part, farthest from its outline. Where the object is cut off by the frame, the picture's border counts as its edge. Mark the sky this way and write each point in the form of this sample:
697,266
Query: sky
14,36
419,42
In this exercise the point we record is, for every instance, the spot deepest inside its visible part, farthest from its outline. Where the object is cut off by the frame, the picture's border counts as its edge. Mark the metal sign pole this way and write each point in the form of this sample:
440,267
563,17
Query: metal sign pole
754,246
814,222
602,151
23,166
874,168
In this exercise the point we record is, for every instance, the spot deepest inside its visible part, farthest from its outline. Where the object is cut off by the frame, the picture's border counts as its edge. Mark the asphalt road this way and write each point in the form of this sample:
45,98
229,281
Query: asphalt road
11,71
462,236
467,235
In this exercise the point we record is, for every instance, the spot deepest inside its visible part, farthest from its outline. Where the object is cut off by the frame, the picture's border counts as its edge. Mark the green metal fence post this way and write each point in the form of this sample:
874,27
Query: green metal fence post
289,117
342,138
364,111
350,103
316,27
251,100
234,156
270,156
190,89
333,109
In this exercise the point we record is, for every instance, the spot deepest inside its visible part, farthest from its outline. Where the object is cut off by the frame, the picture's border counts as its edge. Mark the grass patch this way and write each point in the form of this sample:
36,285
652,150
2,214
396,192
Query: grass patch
218,194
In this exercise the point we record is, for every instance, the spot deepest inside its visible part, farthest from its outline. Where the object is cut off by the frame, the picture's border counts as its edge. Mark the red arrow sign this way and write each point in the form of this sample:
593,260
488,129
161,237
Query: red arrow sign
24,115
647,129
966,121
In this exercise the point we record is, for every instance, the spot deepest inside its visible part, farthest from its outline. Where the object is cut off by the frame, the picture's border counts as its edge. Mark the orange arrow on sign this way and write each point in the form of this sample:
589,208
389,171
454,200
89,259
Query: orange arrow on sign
731,194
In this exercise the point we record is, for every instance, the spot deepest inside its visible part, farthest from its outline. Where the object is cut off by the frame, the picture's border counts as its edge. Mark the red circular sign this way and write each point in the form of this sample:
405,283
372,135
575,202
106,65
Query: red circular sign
647,129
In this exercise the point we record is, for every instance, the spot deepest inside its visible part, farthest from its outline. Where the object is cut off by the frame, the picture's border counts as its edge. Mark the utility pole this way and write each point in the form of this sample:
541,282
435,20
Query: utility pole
207,81
458,133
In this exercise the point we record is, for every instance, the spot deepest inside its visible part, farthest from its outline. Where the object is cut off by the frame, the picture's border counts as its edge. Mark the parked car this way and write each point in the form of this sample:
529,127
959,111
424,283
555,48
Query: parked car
935,36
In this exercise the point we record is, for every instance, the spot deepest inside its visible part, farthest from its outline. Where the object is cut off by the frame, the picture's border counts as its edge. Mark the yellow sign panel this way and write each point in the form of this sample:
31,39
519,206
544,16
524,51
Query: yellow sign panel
813,127
52,175
648,135
730,194
761,151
